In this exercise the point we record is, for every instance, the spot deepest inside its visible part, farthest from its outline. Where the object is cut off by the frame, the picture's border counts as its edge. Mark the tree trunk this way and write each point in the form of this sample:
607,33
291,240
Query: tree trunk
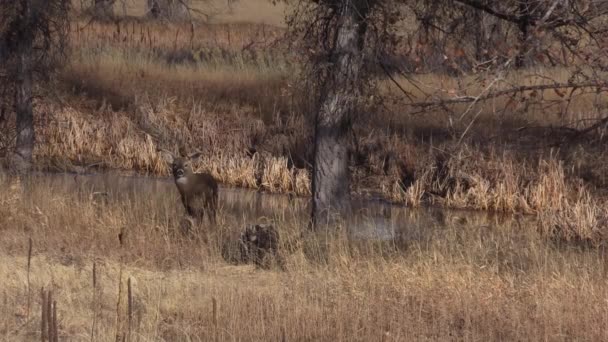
521,60
103,9
338,99
168,9
480,36
22,155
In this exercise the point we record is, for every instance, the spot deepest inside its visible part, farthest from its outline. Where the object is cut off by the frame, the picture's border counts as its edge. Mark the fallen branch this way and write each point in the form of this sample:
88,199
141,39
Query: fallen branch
593,127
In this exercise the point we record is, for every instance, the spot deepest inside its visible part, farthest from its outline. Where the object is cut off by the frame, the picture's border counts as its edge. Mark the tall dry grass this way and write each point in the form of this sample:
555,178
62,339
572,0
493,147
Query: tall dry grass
467,178
215,11
224,65
230,91
477,281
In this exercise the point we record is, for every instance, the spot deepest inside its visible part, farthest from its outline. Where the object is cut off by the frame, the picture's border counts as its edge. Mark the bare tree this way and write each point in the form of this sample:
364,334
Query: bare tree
347,41
342,40
526,28
32,37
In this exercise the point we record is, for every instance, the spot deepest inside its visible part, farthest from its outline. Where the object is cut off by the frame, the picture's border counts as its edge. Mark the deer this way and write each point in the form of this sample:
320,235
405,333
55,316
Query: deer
198,191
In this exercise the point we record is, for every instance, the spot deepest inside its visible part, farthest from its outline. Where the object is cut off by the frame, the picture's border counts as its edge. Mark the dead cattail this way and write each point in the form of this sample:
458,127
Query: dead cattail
49,313
43,316
129,308
29,263
214,305
54,324
94,323
119,332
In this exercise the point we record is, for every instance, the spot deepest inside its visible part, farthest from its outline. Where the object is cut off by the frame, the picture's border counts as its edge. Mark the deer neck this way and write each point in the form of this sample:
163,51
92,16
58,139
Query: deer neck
184,181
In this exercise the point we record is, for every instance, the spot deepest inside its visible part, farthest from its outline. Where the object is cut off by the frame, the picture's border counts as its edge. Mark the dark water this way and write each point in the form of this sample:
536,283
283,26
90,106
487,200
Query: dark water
372,219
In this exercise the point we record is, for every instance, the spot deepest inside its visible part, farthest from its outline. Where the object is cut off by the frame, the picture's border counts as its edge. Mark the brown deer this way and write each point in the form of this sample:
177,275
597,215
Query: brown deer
198,191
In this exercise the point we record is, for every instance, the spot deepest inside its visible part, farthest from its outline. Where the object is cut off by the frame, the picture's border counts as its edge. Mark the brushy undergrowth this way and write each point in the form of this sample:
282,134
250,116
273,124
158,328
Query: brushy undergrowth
230,91
469,178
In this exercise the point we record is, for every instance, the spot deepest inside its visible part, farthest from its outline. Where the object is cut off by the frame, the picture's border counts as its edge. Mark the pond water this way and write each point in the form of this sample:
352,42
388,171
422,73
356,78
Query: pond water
372,219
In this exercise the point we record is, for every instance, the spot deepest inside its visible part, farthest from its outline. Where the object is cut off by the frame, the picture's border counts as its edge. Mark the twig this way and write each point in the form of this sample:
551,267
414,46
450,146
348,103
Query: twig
591,128
214,303
129,308
518,89
94,323
43,331
29,263
49,315
395,82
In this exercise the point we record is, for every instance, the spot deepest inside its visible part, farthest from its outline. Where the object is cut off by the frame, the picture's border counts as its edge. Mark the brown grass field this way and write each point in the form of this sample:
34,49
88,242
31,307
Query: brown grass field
534,270
462,279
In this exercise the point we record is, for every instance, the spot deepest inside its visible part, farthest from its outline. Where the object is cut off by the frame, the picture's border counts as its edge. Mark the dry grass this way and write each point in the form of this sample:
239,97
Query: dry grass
490,281
467,178
230,90
114,141
224,65
250,11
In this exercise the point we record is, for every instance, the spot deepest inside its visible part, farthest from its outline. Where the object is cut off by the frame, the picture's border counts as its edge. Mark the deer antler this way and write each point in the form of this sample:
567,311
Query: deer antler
158,149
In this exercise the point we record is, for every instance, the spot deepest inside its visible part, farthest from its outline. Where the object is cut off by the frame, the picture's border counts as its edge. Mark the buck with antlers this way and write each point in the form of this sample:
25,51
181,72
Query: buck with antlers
198,191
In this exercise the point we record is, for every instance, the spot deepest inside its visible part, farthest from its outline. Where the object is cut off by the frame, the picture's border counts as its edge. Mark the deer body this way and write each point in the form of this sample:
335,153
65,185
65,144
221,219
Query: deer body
198,191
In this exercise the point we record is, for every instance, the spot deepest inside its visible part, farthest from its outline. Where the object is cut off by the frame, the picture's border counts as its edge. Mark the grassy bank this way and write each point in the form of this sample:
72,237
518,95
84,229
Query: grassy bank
487,280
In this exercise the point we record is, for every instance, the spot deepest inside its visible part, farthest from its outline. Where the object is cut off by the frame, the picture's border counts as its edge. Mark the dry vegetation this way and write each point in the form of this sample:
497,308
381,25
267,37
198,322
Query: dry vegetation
231,91
229,88
457,278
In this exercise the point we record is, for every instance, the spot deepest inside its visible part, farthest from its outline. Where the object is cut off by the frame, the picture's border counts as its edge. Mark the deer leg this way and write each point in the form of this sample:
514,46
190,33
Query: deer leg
210,208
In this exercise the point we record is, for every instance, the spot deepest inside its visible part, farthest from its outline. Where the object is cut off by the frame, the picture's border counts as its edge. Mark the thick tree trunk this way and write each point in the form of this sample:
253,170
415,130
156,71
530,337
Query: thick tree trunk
24,146
168,9
103,9
339,95
22,156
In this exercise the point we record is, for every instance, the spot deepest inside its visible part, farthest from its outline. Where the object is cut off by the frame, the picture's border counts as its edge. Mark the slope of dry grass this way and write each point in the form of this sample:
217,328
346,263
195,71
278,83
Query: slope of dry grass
249,11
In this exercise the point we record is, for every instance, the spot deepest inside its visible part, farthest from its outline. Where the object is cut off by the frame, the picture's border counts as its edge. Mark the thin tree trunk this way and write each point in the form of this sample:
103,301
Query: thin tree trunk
168,9
339,95
480,36
22,156
524,32
103,9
